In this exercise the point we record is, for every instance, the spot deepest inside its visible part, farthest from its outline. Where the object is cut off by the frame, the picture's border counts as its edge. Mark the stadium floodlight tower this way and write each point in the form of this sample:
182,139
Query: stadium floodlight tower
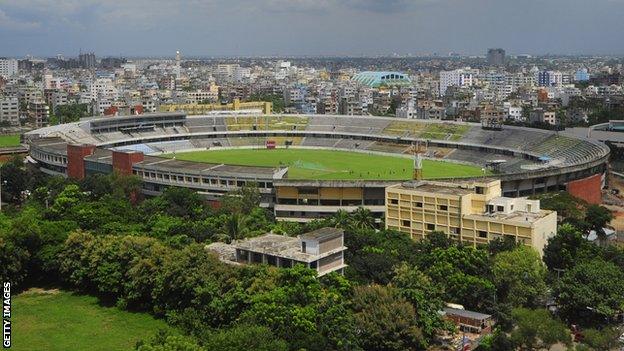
417,161
418,167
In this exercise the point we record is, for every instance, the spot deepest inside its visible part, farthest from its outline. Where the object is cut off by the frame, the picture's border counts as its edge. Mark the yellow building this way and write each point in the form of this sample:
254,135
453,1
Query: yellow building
470,212
201,109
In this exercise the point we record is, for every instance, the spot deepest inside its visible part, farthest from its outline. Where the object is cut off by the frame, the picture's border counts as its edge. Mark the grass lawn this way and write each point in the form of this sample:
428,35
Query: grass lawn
331,165
58,320
9,140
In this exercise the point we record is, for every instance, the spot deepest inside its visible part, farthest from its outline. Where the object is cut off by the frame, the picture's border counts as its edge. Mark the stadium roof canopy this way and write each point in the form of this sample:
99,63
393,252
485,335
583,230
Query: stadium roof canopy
375,79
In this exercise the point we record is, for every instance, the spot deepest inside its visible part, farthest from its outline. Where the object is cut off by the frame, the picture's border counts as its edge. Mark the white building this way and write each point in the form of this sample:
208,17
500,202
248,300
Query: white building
103,88
408,110
9,110
8,67
242,73
464,77
514,113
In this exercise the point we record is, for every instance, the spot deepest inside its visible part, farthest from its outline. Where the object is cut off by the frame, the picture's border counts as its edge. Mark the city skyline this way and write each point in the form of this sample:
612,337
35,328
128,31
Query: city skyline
310,28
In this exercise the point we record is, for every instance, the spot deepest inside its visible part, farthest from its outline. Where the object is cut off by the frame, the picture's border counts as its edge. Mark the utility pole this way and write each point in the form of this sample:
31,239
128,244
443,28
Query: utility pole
0,189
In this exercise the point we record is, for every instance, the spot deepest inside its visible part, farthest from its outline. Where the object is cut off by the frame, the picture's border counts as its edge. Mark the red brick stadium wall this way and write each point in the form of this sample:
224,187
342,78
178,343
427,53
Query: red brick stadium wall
123,161
75,159
587,189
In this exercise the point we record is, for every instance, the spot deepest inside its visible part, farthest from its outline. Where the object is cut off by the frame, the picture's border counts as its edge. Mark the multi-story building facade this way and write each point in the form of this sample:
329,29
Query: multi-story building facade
9,111
550,79
496,57
38,113
87,60
543,116
321,250
8,67
469,212
464,77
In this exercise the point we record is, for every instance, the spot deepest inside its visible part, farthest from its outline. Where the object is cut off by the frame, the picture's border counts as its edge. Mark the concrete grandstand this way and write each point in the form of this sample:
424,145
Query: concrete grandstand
528,161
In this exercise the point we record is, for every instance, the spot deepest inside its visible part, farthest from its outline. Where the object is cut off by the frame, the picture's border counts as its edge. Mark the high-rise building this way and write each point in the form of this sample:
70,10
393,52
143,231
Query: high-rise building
87,60
8,67
550,79
496,57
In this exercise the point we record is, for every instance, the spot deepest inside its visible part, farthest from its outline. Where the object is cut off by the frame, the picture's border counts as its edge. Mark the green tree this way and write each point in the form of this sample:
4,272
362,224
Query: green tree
605,339
566,205
341,219
598,217
385,320
426,298
14,180
591,291
536,329
463,273
507,243
519,276
372,255
244,337
567,248
243,200
362,218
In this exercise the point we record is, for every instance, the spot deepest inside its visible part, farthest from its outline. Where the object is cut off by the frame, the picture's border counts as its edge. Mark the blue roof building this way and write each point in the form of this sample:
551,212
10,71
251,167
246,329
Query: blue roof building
376,79
581,75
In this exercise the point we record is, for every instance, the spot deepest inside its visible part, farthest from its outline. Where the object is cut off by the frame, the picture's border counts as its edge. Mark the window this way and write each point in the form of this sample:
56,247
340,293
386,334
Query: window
406,223
430,226
482,234
443,208
479,190
394,201
419,204
303,246
500,208
308,191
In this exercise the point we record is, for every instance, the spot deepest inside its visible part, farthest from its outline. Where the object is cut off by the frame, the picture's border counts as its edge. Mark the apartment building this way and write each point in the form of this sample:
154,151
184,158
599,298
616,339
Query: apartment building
464,77
9,111
8,67
38,113
469,212
543,116
201,96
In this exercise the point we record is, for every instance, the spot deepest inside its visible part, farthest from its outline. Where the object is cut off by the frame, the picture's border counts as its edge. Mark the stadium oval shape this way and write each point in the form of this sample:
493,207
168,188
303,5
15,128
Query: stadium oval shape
526,160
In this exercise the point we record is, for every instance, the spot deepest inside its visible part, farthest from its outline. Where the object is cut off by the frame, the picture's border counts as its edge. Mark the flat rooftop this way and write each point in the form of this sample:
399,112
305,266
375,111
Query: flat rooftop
428,187
323,234
281,246
515,216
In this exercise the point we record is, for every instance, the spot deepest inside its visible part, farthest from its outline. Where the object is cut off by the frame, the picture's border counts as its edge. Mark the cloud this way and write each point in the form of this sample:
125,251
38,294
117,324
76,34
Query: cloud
12,24
310,27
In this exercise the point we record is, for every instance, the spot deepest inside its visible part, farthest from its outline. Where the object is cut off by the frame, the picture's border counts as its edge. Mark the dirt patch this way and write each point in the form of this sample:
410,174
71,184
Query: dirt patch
40,291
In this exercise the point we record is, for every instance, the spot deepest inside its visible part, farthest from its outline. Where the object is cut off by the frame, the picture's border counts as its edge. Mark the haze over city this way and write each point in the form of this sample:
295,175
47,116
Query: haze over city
307,27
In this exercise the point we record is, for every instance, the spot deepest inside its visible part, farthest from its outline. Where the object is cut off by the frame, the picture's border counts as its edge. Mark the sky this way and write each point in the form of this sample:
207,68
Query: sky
309,27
